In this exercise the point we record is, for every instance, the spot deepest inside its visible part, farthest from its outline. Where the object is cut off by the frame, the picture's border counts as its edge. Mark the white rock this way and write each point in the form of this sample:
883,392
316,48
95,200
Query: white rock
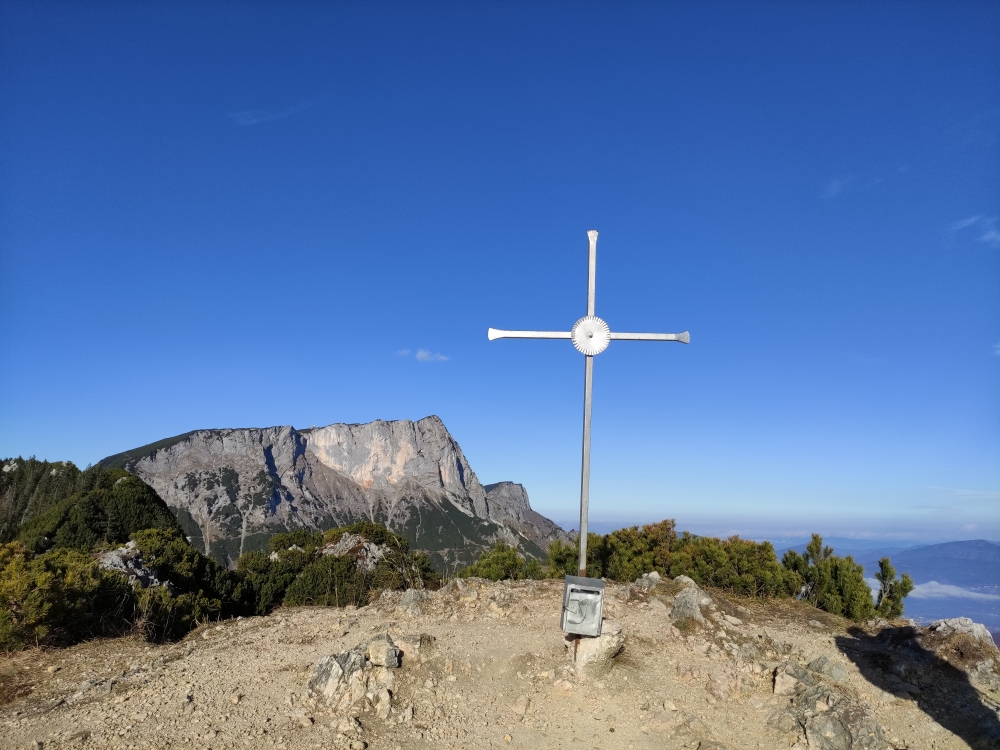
963,625
383,652
332,673
521,705
595,655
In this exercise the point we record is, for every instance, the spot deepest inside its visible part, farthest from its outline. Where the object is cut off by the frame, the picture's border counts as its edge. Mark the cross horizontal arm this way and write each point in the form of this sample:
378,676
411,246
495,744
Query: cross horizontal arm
496,333
684,338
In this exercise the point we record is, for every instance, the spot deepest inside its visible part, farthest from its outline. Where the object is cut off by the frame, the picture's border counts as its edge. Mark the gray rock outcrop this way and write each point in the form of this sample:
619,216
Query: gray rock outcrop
365,553
689,601
231,489
362,676
129,562
963,625
827,714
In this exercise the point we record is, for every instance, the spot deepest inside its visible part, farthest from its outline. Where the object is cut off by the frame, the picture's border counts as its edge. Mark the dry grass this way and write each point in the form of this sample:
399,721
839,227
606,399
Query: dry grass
15,678
960,649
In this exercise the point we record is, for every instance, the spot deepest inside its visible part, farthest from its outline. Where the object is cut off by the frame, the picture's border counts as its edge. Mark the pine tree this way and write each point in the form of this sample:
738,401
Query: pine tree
892,590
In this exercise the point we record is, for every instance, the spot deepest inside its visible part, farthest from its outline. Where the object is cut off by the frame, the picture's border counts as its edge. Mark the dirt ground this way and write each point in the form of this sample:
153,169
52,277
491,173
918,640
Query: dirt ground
497,676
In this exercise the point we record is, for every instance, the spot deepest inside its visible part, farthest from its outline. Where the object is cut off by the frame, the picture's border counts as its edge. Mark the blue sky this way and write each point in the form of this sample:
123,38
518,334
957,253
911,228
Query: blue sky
243,214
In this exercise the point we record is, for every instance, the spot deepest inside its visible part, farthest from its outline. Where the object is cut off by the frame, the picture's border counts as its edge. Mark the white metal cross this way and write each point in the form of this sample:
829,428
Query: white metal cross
591,336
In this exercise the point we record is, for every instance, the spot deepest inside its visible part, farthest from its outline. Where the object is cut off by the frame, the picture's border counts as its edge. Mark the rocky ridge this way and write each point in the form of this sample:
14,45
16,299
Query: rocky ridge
480,664
232,489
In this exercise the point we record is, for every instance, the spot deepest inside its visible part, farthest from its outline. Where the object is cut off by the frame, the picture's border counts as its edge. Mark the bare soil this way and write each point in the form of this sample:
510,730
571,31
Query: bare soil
497,676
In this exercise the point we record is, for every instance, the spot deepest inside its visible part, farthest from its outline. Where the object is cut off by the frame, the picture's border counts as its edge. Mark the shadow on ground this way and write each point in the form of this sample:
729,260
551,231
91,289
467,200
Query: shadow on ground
896,661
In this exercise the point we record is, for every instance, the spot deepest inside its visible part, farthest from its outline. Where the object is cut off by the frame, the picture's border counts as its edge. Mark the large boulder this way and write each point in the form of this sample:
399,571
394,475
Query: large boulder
647,581
365,674
415,647
331,673
595,655
689,601
962,625
411,600
383,652
791,679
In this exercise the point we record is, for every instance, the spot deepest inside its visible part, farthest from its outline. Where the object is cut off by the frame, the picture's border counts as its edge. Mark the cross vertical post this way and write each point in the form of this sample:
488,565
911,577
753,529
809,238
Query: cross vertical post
588,387
590,337
588,397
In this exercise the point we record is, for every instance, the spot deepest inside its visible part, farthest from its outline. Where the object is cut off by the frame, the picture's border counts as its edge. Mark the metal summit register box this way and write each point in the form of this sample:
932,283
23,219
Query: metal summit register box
583,605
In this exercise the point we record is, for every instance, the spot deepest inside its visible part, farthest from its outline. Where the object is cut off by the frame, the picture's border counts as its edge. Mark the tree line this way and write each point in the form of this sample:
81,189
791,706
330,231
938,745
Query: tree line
55,520
740,566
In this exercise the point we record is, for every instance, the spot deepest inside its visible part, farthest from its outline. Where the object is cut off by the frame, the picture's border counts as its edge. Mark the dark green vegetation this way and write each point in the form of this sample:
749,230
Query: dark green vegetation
453,538
738,565
743,567
295,574
46,505
503,563
53,591
126,459
55,520
891,590
837,584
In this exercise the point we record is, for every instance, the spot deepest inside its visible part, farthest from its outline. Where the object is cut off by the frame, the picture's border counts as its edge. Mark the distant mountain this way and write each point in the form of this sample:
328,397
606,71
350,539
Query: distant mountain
231,489
970,564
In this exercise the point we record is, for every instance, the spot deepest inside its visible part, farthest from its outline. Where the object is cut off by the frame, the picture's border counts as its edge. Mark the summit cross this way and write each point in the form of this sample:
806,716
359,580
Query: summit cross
591,336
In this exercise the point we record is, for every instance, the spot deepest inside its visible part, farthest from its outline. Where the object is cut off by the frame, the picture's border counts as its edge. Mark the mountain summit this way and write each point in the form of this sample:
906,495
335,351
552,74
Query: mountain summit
232,489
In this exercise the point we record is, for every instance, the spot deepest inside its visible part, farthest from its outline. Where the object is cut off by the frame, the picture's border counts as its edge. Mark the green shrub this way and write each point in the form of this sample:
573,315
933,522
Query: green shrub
200,589
734,564
834,584
163,614
892,590
330,580
502,563
298,577
59,597
30,487
109,513
270,579
564,559
739,565
305,540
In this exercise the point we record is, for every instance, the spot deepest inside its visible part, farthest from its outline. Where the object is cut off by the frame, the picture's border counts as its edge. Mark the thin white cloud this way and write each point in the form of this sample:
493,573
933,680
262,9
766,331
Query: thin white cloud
935,590
964,223
991,237
996,349
986,225
249,117
423,355
836,186
403,353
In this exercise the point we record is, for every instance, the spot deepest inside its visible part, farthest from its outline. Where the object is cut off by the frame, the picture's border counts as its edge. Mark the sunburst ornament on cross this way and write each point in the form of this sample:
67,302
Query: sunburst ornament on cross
591,336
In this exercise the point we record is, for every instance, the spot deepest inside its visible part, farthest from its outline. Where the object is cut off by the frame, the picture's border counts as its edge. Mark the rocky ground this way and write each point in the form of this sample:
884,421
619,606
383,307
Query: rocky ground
480,665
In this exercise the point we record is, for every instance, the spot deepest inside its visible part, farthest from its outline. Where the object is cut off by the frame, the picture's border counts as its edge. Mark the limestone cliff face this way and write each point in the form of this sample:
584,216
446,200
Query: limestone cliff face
507,505
231,489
